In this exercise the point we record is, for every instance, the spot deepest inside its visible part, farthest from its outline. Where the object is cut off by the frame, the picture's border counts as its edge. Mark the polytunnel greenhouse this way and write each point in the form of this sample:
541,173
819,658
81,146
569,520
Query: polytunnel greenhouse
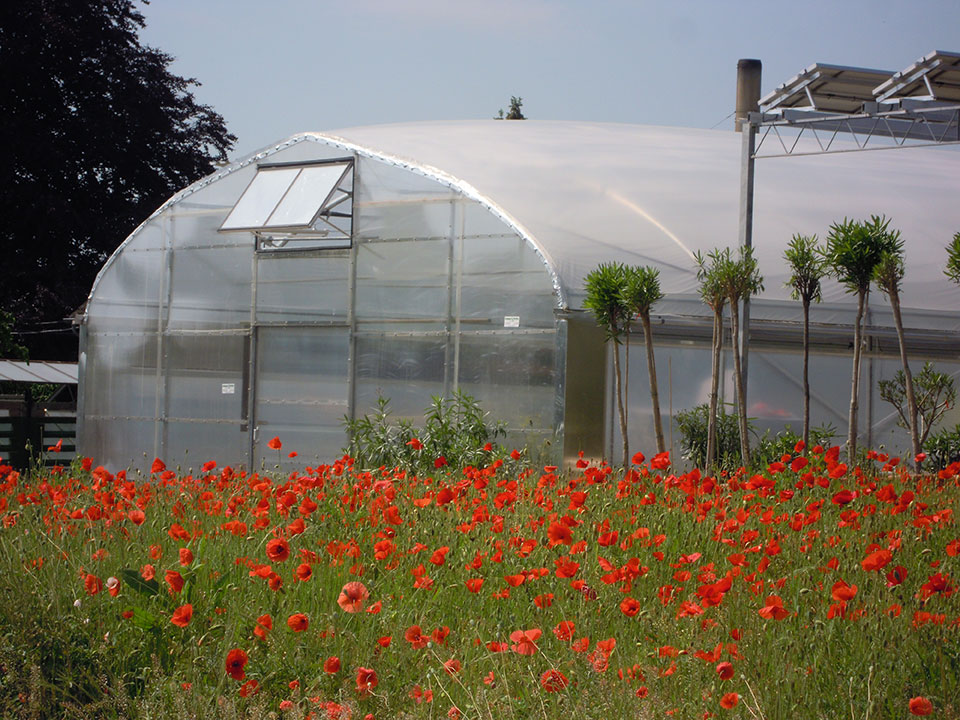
290,289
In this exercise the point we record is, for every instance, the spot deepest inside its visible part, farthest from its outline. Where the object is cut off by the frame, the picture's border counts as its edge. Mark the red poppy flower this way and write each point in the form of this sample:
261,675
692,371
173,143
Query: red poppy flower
136,516
278,549
729,701
638,458
181,616
157,466
304,572
773,609
474,584
415,444
660,461
275,444
920,706
564,631
559,534
439,462
725,670
92,584
877,560
553,680
332,665
629,606
366,680
264,625
439,556
186,556
353,597
298,622
515,580
414,635
452,666
525,641
174,581
236,661
841,592
896,576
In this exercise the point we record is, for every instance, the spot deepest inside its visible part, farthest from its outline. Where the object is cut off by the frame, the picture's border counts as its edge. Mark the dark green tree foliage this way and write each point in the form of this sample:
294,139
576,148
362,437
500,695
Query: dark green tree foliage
10,349
97,134
806,271
515,113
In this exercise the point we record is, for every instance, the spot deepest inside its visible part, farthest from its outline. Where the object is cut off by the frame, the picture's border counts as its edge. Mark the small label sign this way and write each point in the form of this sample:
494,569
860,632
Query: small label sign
511,321
228,388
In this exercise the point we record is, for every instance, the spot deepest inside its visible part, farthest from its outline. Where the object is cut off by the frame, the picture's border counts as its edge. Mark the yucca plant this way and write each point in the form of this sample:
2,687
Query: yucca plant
641,290
605,298
806,271
713,295
853,250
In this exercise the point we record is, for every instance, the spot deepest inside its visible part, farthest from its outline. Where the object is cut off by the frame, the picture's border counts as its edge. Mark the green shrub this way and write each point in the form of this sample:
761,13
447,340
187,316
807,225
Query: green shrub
943,448
455,432
772,448
692,424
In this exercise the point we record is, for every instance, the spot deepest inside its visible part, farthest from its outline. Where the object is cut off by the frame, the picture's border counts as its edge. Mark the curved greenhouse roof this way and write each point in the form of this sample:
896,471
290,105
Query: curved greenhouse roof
586,193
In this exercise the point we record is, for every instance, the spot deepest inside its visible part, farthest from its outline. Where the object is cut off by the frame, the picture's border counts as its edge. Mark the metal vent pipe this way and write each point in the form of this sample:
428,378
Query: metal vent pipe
748,89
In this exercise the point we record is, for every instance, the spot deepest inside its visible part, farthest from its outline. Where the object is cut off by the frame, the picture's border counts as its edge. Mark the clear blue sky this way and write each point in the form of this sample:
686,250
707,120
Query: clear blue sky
276,68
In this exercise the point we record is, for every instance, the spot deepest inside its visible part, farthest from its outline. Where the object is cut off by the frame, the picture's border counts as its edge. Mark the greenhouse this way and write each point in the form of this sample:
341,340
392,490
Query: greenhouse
291,289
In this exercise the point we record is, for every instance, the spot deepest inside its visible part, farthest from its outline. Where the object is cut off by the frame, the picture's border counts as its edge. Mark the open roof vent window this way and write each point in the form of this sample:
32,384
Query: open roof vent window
297,206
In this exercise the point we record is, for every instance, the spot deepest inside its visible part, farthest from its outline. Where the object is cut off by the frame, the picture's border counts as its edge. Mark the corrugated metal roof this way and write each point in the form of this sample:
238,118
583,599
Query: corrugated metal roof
39,372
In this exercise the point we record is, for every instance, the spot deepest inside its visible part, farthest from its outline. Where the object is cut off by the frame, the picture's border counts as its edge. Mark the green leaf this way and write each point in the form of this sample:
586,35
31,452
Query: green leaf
145,620
144,587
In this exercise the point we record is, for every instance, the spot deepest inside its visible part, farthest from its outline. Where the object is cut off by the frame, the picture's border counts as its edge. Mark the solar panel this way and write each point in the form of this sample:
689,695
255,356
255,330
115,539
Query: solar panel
826,88
935,77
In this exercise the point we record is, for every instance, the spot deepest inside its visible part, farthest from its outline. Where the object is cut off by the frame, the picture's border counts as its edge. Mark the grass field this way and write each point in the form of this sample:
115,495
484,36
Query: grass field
811,590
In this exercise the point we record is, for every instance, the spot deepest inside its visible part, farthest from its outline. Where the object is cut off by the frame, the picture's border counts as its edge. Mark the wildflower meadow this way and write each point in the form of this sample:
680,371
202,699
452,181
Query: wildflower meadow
501,590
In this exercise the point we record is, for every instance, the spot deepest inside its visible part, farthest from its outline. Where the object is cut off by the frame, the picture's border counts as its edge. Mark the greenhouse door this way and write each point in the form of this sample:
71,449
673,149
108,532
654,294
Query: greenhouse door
300,396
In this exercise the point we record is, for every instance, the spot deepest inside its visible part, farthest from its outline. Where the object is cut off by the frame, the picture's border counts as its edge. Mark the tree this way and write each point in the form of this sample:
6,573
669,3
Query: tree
514,113
935,395
952,270
99,133
713,295
853,250
604,296
9,347
641,290
739,279
806,271
887,275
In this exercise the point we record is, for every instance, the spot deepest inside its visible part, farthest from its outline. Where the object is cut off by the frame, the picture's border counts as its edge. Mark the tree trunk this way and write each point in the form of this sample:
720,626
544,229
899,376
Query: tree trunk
908,376
652,374
626,378
714,386
855,382
806,373
617,378
738,380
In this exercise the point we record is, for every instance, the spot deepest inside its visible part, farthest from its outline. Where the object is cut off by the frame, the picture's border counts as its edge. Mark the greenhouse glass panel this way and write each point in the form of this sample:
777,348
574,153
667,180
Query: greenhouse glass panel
302,389
307,196
261,197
